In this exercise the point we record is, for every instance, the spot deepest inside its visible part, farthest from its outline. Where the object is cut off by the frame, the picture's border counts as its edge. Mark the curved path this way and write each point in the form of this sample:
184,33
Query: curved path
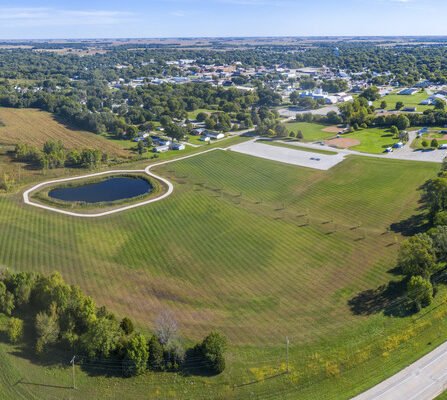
147,171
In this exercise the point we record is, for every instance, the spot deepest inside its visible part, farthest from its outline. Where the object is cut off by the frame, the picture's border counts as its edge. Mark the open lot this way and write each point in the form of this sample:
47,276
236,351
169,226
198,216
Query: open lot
408,100
372,140
311,131
305,243
36,127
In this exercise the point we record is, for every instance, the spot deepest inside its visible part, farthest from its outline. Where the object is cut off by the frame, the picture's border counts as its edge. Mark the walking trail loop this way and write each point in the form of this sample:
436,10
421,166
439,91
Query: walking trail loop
147,171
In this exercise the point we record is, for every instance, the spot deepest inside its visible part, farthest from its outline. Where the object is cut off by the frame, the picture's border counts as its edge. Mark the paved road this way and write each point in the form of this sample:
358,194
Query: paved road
423,380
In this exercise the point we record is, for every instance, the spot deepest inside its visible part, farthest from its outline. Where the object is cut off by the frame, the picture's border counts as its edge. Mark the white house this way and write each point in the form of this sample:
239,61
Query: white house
160,149
178,146
215,135
409,91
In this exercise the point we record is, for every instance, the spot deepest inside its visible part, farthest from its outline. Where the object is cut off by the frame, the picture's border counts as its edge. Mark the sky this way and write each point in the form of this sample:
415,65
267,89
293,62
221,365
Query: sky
51,19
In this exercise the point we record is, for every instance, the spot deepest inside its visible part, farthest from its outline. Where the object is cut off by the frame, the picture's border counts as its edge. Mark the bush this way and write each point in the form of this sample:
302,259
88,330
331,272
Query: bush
155,354
127,326
14,329
434,143
213,350
420,292
136,355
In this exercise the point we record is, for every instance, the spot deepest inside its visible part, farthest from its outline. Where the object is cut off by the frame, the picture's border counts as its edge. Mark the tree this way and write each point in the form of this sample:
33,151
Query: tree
420,292
126,325
175,132
399,105
166,327
202,116
101,338
434,143
440,105
383,105
21,285
394,130
47,329
14,329
7,304
141,148
435,195
417,256
424,143
155,354
371,94
136,355
213,350
299,135
402,122
174,356
439,236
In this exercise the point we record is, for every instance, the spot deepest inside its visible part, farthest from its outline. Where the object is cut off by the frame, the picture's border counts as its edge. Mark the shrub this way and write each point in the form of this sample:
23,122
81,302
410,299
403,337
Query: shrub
136,355
213,350
420,292
14,329
127,326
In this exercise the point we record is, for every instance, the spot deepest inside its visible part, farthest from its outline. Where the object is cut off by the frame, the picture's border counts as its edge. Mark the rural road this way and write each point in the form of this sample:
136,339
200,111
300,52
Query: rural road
423,380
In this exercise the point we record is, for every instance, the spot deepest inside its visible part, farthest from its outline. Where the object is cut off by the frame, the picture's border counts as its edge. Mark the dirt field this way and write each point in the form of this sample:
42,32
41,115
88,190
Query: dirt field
332,129
36,127
342,143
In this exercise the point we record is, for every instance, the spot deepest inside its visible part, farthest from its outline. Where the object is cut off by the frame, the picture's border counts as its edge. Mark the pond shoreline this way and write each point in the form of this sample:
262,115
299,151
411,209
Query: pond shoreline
45,197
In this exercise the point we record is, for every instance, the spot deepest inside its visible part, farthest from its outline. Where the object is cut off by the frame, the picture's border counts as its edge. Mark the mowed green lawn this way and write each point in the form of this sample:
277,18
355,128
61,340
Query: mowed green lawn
256,249
372,140
193,114
311,131
408,100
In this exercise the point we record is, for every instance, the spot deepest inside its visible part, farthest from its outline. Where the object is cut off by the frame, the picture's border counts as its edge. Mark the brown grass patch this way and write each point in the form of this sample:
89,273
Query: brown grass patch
332,129
342,143
36,127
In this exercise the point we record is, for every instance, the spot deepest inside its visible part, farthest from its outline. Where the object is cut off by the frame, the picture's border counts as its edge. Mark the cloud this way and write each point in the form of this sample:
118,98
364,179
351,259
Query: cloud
42,16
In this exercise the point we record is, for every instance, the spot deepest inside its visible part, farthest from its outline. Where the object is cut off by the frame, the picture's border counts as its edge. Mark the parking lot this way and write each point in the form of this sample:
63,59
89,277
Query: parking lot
289,156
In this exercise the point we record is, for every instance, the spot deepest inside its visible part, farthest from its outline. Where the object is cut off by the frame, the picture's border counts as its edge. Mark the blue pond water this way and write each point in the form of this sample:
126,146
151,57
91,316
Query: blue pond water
111,189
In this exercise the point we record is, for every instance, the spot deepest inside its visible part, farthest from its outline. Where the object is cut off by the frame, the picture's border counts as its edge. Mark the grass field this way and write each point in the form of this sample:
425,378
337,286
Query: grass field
409,101
257,249
36,127
311,131
193,114
372,140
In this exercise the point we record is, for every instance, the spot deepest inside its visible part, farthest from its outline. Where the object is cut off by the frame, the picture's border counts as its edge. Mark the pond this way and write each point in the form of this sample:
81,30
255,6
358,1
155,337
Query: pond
107,190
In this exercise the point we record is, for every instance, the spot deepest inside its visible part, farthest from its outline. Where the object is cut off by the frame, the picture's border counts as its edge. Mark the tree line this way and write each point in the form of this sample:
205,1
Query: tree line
51,314
54,155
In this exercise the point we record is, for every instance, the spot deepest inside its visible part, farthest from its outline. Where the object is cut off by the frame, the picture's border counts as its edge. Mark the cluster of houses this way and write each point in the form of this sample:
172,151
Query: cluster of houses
319,94
440,95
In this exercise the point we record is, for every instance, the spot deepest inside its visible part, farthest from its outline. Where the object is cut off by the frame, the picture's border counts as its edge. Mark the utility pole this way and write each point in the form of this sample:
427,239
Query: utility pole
72,362
287,353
